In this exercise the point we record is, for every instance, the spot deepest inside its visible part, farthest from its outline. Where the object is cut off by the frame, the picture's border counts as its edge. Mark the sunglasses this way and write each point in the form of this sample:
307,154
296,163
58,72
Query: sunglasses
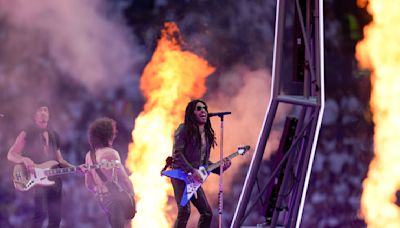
199,108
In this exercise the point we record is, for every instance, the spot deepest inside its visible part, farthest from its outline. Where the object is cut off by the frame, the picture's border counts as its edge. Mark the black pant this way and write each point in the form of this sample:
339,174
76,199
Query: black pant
48,202
200,203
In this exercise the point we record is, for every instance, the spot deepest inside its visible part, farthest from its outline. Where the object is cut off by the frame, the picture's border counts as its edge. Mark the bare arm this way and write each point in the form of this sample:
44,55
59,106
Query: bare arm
61,160
59,156
123,177
14,153
89,181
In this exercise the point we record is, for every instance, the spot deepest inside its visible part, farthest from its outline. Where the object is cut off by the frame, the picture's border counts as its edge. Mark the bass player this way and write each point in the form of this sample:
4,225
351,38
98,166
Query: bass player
36,144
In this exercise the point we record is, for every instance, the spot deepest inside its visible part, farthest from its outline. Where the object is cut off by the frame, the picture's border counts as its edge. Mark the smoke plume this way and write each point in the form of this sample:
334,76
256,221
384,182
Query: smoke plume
45,43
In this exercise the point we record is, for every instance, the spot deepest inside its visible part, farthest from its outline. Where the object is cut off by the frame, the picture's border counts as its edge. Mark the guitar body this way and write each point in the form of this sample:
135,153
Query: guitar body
39,175
192,185
25,180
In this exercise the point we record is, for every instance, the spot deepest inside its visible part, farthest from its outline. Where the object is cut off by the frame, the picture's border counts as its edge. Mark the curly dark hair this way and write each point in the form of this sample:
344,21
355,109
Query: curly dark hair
101,132
191,127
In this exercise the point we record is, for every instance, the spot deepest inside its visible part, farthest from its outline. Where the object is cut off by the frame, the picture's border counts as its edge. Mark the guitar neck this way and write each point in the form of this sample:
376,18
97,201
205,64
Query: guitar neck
217,164
60,171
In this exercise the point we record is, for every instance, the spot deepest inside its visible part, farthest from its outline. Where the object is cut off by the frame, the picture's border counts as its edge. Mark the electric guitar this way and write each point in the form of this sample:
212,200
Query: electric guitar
192,185
24,179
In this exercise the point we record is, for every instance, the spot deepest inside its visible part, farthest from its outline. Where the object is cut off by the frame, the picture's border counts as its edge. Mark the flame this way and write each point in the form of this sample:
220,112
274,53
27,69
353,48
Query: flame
170,80
380,51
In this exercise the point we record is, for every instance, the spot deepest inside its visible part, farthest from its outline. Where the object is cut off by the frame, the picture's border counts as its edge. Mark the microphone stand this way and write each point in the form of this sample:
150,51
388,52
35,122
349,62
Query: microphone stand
221,187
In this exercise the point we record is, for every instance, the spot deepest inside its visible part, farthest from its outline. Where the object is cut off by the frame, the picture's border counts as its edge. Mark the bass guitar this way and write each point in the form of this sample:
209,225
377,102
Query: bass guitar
192,185
25,179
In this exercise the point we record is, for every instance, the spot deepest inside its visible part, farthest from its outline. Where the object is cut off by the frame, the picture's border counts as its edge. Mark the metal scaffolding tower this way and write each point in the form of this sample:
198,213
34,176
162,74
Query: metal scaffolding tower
302,22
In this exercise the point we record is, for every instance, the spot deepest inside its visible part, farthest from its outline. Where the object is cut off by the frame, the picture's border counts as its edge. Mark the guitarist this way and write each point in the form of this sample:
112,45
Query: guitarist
35,145
118,205
192,144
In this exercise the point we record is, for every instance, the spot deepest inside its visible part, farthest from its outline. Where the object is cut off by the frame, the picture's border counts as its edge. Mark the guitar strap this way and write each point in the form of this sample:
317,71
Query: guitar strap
94,161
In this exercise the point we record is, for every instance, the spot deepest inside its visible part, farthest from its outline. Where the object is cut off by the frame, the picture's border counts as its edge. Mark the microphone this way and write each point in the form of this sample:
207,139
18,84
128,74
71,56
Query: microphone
211,114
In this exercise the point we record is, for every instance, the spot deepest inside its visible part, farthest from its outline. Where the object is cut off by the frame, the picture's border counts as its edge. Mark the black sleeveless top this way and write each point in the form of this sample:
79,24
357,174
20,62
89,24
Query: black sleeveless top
35,145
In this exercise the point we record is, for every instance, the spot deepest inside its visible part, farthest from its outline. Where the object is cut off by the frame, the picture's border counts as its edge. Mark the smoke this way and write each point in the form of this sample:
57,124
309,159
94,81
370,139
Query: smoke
82,42
246,94
63,52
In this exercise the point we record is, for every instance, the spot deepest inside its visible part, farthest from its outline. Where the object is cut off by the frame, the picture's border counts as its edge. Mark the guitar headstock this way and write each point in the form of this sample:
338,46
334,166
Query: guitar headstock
243,149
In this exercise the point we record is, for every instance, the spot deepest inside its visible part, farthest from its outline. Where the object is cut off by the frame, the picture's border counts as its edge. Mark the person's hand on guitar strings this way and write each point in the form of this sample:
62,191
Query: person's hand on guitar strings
29,164
196,176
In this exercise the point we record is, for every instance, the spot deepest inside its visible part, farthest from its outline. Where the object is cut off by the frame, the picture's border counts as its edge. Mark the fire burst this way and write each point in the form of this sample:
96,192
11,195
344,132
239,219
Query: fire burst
170,80
380,51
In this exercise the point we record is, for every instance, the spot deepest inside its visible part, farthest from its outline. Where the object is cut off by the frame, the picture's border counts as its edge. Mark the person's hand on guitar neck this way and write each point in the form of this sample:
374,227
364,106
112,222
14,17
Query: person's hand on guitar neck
83,169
